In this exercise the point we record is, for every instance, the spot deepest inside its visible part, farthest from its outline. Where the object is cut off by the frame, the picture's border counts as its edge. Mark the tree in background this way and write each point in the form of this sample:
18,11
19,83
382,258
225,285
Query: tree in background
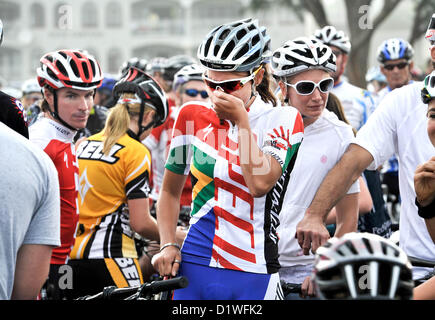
361,26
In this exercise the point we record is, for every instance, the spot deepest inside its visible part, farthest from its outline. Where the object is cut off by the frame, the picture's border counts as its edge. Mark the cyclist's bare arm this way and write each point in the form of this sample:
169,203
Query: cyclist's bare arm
141,220
347,214
168,207
425,291
31,271
311,231
260,171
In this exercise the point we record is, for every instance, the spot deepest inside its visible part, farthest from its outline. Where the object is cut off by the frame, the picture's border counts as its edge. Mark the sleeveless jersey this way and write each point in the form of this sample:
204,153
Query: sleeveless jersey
106,182
56,141
229,228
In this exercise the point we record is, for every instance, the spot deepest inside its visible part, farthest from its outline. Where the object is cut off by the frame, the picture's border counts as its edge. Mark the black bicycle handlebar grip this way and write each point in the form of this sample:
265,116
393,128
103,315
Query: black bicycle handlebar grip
165,285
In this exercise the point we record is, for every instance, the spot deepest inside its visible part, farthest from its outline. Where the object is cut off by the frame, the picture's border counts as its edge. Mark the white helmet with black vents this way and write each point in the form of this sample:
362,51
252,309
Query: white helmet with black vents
362,266
331,37
237,46
186,74
302,54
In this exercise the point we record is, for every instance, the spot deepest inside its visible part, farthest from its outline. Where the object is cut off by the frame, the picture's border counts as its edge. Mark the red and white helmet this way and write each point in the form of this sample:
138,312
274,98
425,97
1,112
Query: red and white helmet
75,69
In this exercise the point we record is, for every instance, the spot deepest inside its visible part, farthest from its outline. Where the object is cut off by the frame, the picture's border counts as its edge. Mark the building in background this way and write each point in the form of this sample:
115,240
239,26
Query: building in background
115,30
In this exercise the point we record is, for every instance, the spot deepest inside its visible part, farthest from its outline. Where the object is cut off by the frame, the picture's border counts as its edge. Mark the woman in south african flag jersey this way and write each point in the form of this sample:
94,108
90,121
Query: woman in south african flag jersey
240,150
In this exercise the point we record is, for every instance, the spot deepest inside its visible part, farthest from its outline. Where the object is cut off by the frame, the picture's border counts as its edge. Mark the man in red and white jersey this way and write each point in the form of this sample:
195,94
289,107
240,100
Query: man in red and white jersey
69,79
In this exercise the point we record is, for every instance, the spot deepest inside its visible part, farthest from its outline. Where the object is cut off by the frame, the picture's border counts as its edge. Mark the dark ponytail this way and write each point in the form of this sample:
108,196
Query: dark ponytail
264,88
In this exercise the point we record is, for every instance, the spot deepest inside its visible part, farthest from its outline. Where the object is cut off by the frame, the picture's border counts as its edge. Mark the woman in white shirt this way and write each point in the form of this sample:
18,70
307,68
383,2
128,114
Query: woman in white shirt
303,68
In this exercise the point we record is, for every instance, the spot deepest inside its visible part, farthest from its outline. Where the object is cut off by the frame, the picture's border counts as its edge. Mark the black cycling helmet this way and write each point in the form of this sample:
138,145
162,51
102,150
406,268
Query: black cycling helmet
174,64
140,64
362,266
148,90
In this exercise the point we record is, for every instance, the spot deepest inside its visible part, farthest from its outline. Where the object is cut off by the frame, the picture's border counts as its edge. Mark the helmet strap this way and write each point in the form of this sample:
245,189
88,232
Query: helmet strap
55,113
142,128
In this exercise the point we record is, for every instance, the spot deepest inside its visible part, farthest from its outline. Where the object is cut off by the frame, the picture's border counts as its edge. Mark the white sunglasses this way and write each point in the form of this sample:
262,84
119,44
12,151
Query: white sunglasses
307,87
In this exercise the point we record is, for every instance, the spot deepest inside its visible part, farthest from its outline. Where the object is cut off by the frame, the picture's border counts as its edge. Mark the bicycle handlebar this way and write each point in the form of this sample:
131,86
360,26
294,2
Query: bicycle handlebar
131,293
417,262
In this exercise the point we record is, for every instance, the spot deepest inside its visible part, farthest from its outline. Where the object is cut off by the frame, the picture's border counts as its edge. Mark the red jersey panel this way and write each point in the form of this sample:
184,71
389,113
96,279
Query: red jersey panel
57,141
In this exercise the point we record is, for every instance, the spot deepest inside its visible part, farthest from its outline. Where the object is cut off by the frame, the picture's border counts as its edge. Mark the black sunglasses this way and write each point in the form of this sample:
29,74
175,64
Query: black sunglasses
194,93
391,67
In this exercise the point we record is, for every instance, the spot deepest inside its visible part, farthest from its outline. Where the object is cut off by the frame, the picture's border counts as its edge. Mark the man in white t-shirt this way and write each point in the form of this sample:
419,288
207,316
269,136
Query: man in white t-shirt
398,125
30,216
395,56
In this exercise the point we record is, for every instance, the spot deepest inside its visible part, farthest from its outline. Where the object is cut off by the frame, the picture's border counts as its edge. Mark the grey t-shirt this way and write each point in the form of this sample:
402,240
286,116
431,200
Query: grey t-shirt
29,202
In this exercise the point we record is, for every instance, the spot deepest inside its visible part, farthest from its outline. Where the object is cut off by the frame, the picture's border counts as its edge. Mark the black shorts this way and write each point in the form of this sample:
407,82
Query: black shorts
90,276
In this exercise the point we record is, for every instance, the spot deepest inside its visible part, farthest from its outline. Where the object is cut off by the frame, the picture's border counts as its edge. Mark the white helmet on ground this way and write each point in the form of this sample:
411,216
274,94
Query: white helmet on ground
362,266
331,37
237,46
302,54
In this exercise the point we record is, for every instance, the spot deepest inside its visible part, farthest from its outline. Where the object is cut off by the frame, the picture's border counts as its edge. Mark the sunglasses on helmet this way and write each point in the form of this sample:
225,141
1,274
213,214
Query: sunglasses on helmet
193,93
306,87
391,67
229,86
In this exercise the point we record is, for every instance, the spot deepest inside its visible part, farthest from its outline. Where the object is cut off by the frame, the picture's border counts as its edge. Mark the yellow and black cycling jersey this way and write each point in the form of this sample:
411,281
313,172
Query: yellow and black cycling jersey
105,183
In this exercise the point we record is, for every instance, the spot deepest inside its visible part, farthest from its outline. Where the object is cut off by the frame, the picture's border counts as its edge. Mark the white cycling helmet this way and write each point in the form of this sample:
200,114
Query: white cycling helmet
302,54
186,74
30,86
428,91
393,49
362,266
331,37
237,46
430,33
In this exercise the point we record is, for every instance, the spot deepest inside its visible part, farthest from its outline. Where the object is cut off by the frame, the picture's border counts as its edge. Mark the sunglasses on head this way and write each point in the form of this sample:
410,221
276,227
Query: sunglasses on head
307,87
194,93
229,86
391,67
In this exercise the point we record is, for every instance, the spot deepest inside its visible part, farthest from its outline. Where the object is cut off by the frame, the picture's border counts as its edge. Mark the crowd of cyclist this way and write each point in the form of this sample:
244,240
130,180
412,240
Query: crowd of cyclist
216,167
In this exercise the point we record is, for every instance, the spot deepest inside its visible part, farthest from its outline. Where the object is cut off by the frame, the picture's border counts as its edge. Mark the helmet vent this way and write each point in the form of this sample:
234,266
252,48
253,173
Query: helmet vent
224,34
61,68
255,40
216,50
85,70
368,246
351,247
207,46
241,34
227,50
241,52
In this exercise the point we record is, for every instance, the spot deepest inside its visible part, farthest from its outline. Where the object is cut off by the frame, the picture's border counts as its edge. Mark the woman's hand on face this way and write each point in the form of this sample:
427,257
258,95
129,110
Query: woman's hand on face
228,107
